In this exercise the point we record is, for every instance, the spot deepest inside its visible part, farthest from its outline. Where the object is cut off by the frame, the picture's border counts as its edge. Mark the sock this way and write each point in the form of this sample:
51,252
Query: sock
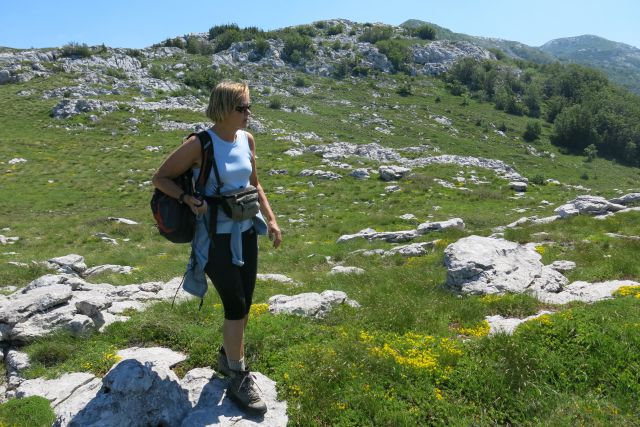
236,365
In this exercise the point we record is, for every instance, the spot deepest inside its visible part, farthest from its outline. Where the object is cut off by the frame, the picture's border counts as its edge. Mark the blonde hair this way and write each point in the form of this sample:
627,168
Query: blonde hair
225,97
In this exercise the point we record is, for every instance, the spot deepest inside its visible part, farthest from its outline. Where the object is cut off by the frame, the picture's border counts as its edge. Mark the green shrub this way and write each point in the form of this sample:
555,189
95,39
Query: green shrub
226,39
275,103
76,50
156,71
405,90
300,82
376,33
195,46
297,47
397,53
175,42
425,32
590,152
532,131
335,29
537,179
117,73
220,29
32,411
203,78
260,47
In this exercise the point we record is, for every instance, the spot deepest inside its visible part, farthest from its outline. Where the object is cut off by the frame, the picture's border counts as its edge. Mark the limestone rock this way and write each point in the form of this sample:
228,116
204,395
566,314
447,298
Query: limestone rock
426,227
280,278
412,250
392,173
482,265
563,266
73,262
518,186
507,325
309,304
627,199
585,292
587,205
110,268
211,407
132,394
56,390
18,306
338,269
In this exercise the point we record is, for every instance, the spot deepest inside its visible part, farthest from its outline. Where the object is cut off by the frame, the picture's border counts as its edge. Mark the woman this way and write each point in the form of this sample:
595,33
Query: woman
230,255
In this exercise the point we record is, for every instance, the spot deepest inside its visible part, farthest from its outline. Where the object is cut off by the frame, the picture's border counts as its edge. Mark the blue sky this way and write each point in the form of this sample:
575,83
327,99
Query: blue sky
140,23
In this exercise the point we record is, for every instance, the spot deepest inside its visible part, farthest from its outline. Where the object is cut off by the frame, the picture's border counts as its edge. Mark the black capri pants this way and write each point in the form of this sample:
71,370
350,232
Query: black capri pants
234,284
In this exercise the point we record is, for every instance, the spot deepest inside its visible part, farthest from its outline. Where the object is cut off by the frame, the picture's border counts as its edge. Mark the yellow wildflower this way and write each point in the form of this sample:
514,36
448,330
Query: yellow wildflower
258,309
541,250
438,393
479,330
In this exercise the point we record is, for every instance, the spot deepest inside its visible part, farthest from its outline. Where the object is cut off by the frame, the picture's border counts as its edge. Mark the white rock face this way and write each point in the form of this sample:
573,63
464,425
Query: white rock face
507,325
309,304
518,186
141,390
403,235
587,205
412,250
627,199
585,292
280,278
64,301
339,269
392,173
482,265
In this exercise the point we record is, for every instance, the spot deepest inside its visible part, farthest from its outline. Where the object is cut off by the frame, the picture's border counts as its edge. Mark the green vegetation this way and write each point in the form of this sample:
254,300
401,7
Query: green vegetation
76,50
414,353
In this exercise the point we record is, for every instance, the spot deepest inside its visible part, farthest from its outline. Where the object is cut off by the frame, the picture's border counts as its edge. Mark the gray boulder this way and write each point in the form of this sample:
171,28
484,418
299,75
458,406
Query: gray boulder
483,265
585,292
211,407
587,205
392,173
507,325
132,394
309,304
627,199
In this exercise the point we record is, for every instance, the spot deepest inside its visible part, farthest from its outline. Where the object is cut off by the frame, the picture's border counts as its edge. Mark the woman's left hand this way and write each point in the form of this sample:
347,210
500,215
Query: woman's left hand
274,233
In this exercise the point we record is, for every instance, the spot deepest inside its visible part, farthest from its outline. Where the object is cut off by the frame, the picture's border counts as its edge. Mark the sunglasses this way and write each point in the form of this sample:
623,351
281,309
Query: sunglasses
243,108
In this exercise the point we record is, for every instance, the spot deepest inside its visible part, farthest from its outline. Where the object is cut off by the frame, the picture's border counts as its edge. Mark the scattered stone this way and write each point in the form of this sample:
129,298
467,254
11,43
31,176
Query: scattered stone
426,227
408,217
518,186
392,188
507,325
122,220
482,265
5,240
17,161
587,205
309,304
627,199
392,173
320,174
71,263
280,278
16,361
585,292
361,173
412,250
107,268
563,266
338,269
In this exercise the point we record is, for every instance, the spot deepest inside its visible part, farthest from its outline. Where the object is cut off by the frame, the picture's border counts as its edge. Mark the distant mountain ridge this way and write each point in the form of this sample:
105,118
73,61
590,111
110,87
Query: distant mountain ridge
619,61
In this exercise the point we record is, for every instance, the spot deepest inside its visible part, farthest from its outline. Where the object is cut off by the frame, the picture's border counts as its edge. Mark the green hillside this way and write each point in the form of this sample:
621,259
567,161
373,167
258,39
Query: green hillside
415,353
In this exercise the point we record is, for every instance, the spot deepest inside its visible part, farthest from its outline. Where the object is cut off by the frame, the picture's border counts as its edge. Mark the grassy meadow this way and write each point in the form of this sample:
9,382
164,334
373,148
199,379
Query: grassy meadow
414,353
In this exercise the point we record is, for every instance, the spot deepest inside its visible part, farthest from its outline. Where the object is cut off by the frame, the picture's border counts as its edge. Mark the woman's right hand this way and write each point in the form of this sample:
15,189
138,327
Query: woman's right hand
197,206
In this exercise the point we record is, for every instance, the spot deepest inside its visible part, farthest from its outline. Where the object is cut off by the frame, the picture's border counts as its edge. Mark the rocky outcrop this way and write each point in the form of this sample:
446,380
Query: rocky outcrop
142,389
587,205
65,301
483,265
309,304
404,235
507,325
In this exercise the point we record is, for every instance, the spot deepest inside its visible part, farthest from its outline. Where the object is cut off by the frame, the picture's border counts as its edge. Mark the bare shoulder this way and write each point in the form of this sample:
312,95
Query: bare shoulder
251,140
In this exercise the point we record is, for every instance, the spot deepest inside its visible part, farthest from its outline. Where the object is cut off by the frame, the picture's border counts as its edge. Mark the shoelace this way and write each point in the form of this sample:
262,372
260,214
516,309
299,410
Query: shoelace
250,391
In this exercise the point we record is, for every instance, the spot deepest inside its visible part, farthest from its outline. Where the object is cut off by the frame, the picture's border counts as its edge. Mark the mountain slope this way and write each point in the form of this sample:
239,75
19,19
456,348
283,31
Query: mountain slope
621,62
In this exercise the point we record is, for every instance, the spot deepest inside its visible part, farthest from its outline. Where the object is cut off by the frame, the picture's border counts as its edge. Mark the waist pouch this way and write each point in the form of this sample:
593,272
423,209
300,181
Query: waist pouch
239,204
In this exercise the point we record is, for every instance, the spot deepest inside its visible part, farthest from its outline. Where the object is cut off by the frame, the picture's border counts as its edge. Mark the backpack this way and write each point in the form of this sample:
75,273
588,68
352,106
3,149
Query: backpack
175,220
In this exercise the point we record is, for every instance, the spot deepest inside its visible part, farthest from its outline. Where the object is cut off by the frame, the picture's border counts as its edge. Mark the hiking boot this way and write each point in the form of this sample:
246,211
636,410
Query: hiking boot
223,364
244,392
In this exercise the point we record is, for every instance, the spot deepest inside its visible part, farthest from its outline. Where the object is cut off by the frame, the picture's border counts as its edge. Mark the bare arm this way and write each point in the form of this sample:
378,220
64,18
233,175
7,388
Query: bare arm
183,158
274,231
